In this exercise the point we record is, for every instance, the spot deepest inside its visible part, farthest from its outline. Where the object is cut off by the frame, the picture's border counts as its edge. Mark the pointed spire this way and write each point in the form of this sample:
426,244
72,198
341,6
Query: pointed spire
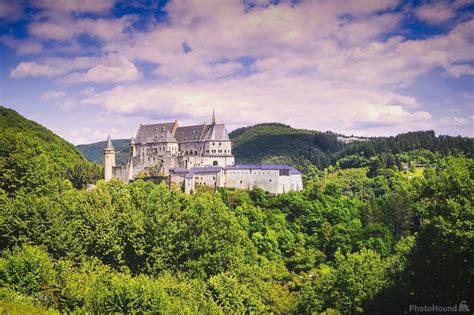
109,145
213,116
132,141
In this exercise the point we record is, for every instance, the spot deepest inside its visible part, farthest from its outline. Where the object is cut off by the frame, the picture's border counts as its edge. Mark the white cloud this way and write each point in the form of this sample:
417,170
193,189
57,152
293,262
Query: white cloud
22,47
313,67
306,103
10,10
34,69
92,6
456,120
459,70
88,135
315,64
108,68
53,95
435,13
64,27
112,69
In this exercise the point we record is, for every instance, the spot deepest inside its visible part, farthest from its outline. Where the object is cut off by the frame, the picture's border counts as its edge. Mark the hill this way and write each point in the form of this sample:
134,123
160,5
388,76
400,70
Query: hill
94,152
31,155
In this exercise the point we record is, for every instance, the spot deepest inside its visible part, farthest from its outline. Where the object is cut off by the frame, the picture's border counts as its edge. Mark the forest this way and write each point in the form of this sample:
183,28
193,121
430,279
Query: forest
381,225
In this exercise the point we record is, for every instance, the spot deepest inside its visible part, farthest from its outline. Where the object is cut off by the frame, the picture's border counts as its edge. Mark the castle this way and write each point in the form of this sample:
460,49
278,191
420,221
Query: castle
195,155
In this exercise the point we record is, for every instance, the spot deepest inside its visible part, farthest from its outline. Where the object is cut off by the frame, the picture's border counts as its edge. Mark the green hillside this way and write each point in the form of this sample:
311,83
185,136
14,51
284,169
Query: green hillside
94,152
278,143
31,155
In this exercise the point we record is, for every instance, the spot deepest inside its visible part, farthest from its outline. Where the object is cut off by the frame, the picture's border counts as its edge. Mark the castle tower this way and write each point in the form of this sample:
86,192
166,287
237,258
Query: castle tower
133,148
109,159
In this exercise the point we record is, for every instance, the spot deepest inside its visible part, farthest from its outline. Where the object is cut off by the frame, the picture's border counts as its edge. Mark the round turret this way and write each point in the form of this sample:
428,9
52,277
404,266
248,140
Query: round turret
109,159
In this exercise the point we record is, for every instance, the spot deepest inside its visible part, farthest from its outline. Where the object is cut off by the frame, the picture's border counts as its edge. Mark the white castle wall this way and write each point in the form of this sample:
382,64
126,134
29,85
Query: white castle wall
249,178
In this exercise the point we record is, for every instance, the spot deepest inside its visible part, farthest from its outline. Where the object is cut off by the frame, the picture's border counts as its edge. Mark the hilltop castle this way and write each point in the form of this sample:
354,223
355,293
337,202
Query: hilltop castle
195,155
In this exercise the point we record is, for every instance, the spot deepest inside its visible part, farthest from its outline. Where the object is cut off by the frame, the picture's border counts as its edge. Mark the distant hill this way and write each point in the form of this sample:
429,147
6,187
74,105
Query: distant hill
279,143
94,152
31,153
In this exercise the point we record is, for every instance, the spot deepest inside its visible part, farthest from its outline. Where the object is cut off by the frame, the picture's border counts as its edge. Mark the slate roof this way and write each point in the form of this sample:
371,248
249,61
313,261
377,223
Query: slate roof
219,132
155,133
292,170
189,133
206,169
169,132
179,170
109,145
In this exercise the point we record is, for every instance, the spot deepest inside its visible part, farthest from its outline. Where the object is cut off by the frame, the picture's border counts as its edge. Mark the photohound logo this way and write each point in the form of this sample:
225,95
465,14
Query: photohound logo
461,307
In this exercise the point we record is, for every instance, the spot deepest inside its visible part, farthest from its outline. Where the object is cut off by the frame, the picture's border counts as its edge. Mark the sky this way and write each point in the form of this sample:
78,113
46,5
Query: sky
87,68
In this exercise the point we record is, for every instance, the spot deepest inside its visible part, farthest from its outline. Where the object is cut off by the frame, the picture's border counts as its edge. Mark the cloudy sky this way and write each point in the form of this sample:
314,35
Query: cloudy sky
84,68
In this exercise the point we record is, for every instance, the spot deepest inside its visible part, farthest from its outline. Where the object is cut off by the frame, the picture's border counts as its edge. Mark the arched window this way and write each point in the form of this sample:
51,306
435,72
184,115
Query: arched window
215,163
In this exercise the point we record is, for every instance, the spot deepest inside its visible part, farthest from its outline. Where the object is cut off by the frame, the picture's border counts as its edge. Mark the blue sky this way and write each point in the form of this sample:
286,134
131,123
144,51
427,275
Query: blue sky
86,68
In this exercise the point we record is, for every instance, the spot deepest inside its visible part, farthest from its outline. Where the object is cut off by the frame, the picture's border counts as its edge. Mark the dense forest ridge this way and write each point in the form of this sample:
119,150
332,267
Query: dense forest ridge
374,232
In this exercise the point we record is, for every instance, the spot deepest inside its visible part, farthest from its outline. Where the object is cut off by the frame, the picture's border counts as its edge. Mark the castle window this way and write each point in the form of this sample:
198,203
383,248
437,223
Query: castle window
241,181
270,180
220,151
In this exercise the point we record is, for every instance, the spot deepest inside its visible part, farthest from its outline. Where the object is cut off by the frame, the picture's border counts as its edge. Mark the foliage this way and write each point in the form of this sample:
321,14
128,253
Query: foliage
371,233
33,159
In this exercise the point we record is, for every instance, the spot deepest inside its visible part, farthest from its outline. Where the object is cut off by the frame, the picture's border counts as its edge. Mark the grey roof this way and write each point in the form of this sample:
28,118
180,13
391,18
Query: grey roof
178,170
200,170
219,132
292,170
170,132
109,145
155,133
215,132
189,133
